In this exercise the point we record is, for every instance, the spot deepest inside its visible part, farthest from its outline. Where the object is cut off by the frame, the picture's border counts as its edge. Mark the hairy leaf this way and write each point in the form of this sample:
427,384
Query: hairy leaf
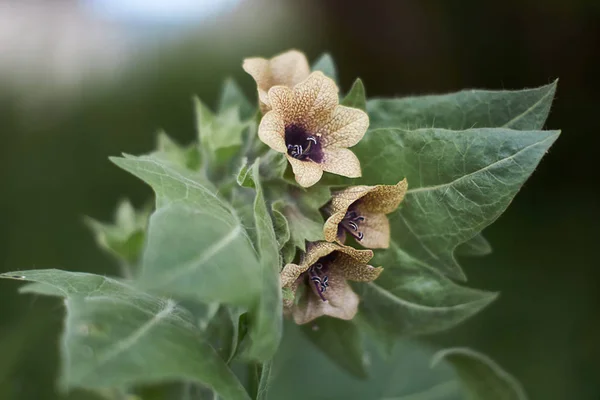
233,97
117,336
301,209
301,371
476,246
410,299
356,97
481,377
187,157
326,65
341,341
124,238
459,182
266,323
197,246
520,109
220,135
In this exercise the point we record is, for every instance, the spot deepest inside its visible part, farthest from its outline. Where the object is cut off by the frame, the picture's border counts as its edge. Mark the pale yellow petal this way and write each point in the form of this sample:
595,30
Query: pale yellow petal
341,302
316,250
272,131
290,273
384,198
281,99
330,228
259,69
376,231
315,99
346,127
287,69
341,162
307,173
350,257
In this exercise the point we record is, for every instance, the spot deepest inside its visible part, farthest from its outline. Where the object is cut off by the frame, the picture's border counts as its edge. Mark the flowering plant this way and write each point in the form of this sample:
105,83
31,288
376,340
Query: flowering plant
315,234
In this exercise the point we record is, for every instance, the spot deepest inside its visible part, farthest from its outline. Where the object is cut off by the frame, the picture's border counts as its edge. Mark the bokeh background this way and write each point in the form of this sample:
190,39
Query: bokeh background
82,80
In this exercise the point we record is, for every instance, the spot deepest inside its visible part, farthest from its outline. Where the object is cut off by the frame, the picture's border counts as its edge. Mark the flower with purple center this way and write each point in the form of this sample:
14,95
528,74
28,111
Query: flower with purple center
307,124
323,271
360,211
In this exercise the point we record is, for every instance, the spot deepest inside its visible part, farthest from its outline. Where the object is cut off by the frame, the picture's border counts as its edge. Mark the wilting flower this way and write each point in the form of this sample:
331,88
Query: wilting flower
307,124
323,271
286,69
361,212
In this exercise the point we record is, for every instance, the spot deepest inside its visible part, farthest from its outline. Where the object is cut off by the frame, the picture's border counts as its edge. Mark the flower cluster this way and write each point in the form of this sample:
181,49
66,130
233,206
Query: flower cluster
302,118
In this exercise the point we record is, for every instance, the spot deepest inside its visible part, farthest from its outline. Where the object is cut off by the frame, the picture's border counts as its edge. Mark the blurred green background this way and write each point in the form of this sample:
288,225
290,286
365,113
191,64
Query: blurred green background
64,110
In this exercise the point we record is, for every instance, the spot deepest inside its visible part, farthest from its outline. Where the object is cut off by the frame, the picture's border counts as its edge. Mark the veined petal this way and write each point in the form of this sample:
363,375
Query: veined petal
341,162
307,173
272,131
316,250
341,302
384,199
338,207
290,273
281,99
346,127
315,100
287,69
376,231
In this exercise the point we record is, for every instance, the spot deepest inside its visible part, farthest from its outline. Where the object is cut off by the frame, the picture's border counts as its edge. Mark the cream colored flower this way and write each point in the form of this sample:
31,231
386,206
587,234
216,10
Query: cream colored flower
313,130
360,211
323,271
286,69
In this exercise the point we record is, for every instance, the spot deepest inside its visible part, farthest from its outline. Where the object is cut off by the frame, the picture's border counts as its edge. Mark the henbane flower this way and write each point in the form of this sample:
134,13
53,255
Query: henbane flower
361,212
323,271
309,126
286,69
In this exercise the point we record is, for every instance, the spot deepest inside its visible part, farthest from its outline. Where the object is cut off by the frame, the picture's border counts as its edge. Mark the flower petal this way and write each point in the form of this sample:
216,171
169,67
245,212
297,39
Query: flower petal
272,131
384,199
287,69
307,173
290,274
341,302
346,127
376,231
316,250
337,208
315,99
341,161
281,99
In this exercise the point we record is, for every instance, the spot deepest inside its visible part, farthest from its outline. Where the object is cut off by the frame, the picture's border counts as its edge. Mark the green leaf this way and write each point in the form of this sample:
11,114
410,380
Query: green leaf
326,65
476,246
265,381
356,97
266,324
521,110
220,136
233,97
459,182
411,299
184,157
281,227
301,371
124,238
341,341
481,377
301,209
197,246
116,336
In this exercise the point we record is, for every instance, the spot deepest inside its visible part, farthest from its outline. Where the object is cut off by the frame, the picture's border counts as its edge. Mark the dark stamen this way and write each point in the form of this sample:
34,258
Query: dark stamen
351,224
321,284
302,145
